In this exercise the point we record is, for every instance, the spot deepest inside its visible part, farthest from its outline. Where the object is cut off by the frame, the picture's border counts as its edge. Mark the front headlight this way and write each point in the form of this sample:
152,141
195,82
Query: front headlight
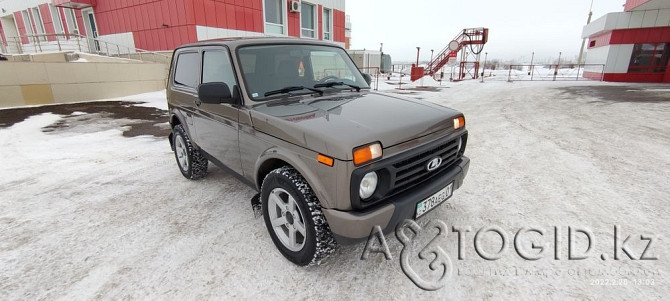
368,185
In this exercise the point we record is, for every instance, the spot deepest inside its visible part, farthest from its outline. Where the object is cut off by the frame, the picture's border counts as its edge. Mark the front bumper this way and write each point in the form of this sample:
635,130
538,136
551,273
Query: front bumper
351,227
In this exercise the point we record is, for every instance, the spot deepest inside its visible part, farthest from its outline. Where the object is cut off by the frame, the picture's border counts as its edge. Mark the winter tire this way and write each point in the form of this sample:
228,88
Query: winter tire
192,164
293,217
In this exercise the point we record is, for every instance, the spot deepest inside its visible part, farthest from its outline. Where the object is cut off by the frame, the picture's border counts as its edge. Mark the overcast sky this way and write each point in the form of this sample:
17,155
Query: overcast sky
517,27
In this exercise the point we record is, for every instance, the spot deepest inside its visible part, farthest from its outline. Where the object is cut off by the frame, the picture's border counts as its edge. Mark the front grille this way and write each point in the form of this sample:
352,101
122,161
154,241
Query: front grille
407,170
412,171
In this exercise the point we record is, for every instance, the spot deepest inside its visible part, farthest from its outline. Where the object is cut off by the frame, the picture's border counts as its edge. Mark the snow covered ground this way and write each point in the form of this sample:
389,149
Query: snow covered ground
86,212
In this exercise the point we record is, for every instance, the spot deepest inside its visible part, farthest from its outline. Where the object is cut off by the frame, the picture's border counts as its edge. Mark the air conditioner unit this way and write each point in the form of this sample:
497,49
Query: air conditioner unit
295,7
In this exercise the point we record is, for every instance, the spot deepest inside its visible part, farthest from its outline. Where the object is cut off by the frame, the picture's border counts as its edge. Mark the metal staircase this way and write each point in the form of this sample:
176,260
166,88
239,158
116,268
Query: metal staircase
472,39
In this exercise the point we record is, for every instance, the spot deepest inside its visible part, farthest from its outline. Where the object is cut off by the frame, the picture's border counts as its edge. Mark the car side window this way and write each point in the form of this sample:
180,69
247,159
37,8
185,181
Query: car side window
216,67
186,72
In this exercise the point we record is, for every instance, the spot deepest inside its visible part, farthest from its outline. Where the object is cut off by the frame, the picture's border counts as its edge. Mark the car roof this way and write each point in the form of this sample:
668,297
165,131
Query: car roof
234,42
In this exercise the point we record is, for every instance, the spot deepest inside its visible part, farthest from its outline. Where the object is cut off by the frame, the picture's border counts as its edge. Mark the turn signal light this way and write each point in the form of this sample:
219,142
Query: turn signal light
367,153
323,159
459,122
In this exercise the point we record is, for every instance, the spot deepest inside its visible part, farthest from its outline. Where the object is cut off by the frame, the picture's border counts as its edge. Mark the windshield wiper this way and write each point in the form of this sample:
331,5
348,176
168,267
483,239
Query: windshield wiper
332,84
292,89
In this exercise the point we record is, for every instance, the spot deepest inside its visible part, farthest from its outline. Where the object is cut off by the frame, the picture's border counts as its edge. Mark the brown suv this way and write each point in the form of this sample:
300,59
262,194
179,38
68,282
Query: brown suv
296,120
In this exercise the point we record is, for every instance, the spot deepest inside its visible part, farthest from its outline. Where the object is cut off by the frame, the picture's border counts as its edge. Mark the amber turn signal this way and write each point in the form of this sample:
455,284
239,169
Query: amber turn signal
323,159
459,122
367,153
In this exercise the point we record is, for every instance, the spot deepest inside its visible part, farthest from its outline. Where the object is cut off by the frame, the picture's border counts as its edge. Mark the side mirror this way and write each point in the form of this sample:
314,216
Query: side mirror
368,78
215,93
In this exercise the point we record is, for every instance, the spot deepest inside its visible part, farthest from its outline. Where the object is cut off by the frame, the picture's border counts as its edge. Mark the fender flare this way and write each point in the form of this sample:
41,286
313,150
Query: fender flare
274,155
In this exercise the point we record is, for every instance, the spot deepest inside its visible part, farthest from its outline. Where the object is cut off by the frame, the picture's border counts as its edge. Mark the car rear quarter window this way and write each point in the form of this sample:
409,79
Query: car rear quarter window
186,72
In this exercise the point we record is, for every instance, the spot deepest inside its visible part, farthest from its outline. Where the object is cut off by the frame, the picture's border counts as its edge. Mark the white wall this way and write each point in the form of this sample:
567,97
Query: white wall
628,20
11,6
616,58
208,33
335,4
125,40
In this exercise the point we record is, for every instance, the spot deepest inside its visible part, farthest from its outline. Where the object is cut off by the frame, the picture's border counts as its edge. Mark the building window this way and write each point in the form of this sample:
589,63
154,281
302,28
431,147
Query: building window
37,19
27,24
71,21
55,17
327,24
649,57
592,44
274,16
308,20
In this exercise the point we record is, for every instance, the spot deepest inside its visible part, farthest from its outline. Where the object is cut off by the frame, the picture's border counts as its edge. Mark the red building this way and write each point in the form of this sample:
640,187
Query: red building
165,24
634,45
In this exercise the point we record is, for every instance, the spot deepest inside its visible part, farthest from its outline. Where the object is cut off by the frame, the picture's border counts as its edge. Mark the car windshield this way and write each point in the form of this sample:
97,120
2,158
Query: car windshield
272,71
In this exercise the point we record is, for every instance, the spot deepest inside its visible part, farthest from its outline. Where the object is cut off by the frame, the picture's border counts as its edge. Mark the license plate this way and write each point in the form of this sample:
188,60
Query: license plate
434,200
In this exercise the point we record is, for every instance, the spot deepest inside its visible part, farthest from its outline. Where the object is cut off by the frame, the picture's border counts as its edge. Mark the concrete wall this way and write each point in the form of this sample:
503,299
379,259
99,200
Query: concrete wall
34,83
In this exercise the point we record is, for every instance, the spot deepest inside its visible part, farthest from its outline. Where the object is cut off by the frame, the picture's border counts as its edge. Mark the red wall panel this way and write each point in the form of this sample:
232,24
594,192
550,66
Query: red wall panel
338,25
293,21
45,14
631,4
31,22
248,19
239,17
146,19
319,12
2,35
600,40
80,22
210,13
173,14
18,18
258,22
629,77
66,29
641,35
634,77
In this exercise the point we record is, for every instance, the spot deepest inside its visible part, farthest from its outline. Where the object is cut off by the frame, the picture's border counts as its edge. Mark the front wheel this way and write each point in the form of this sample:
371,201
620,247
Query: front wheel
293,217
192,164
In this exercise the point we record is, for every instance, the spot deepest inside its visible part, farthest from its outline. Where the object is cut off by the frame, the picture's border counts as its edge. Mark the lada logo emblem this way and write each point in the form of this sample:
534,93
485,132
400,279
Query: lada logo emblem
434,164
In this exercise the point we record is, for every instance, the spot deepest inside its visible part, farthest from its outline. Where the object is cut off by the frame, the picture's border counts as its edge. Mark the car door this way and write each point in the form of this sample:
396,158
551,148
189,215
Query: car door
183,89
217,128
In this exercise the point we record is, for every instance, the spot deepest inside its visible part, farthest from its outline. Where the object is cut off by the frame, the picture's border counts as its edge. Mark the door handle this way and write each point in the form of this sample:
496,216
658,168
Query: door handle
197,102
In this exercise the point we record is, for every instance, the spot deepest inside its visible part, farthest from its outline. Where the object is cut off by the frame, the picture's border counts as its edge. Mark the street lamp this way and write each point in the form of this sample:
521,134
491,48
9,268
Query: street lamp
588,21
381,59
486,55
558,63
418,50
431,55
530,72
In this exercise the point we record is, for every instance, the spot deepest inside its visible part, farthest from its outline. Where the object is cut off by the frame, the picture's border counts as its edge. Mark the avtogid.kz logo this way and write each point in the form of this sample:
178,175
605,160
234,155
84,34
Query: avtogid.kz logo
439,260
413,237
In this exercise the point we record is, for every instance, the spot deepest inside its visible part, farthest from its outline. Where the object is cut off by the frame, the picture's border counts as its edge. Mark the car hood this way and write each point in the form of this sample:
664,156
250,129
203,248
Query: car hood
335,124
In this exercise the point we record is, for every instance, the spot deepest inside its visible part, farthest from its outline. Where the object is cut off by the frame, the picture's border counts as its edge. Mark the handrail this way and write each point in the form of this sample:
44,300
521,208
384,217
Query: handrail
92,45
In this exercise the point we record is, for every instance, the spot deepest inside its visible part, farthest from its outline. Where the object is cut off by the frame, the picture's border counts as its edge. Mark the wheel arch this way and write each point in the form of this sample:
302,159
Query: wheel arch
276,158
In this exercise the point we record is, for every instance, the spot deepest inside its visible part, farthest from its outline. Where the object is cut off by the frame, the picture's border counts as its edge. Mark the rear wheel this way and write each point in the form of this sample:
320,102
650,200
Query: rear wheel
192,164
293,216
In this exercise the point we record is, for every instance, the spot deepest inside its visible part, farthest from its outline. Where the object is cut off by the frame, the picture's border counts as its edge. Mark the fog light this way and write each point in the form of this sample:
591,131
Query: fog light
368,185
